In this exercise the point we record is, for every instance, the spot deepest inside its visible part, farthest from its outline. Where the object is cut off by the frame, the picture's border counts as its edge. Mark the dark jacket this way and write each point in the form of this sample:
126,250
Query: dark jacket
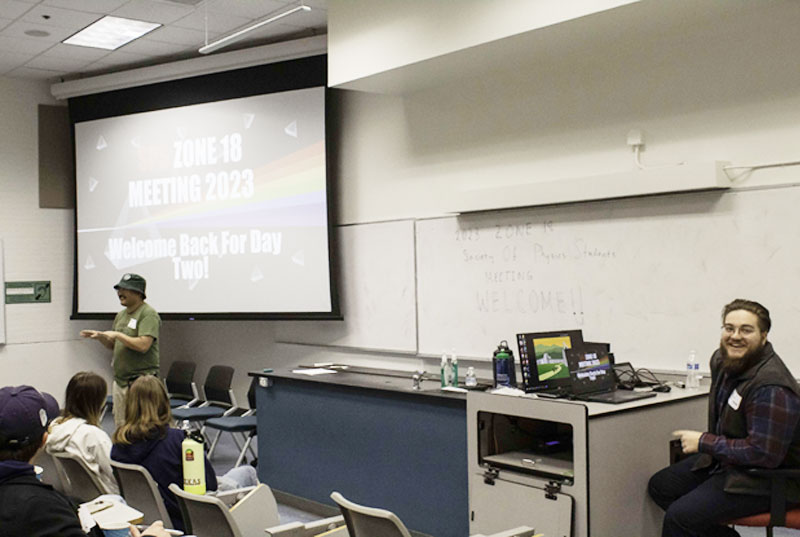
29,508
768,371
162,458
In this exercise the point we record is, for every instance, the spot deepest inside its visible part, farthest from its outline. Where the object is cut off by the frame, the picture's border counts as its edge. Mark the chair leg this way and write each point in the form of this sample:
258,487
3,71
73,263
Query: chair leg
250,445
214,444
769,531
244,451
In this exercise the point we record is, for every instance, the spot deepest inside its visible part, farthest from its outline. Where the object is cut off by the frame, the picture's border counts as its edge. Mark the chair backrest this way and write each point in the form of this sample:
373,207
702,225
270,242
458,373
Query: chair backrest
180,377
52,473
205,516
369,521
251,393
84,485
217,387
140,491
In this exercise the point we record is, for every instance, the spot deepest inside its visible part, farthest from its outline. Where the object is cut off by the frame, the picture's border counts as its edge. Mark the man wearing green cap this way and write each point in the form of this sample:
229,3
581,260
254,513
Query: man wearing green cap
133,339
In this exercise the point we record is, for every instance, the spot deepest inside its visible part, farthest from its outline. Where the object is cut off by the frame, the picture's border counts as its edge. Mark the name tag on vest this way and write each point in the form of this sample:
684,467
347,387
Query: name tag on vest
132,324
735,400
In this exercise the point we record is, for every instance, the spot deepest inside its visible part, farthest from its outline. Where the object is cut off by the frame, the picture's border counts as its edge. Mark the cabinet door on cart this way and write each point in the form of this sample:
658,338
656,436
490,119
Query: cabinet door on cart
506,505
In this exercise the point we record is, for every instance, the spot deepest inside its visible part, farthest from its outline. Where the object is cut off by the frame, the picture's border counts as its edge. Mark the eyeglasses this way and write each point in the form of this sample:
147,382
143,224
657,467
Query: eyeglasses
744,330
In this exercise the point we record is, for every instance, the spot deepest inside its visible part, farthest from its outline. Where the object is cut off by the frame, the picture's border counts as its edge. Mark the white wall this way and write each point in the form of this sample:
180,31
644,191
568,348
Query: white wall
43,348
704,92
708,96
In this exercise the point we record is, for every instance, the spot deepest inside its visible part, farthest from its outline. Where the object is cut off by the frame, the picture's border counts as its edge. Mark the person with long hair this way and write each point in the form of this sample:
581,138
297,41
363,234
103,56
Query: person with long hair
77,430
147,439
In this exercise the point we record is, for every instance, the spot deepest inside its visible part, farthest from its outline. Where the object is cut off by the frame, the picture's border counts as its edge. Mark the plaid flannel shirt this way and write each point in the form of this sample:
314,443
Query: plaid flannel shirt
772,414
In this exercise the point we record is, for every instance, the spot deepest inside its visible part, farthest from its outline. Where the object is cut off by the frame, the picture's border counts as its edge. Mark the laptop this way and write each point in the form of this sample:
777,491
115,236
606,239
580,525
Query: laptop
593,379
543,361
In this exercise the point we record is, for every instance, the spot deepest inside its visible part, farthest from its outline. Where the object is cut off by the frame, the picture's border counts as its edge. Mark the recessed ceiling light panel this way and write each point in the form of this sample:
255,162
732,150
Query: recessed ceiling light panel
110,33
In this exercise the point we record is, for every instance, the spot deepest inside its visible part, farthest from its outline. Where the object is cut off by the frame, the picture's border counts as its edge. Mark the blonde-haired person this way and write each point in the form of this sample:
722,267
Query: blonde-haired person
77,431
147,439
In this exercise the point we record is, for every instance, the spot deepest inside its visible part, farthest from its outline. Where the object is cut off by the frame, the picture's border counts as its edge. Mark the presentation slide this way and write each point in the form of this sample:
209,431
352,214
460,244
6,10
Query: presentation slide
221,207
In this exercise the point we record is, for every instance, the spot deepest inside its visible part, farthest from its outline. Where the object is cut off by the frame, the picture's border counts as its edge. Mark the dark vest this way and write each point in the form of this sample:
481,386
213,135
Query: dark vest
768,371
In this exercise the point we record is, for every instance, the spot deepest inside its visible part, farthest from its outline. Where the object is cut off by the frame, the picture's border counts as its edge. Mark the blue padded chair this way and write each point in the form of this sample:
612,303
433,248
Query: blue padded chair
244,424
219,399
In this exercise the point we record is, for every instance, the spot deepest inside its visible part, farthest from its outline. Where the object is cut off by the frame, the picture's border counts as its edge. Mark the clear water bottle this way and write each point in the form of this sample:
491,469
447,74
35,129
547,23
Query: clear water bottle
692,371
471,380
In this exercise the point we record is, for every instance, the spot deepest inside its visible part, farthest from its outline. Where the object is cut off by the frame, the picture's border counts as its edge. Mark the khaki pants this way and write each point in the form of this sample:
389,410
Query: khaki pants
119,394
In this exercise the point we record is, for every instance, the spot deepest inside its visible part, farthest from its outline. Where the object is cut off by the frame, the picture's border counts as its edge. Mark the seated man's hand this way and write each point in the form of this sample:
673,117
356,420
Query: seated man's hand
690,440
154,530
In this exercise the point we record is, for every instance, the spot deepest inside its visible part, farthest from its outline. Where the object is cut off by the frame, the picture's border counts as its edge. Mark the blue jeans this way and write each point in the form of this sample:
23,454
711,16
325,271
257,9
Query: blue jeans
237,478
695,503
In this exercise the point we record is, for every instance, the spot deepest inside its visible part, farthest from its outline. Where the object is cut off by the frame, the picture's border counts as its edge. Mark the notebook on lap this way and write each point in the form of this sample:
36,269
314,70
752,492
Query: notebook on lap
592,373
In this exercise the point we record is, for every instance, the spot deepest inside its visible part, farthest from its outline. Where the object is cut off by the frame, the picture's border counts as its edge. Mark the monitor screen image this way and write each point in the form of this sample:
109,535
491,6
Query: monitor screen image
221,206
543,358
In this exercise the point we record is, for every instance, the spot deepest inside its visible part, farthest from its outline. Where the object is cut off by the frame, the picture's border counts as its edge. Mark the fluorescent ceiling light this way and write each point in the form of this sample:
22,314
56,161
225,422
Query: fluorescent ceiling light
110,33
235,36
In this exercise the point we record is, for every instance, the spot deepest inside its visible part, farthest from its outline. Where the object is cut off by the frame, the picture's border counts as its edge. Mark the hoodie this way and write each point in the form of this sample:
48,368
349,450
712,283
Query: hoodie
89,443
30,508
162,458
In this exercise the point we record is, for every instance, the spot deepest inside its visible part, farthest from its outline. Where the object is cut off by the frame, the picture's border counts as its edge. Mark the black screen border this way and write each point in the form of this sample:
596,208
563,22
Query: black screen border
275,77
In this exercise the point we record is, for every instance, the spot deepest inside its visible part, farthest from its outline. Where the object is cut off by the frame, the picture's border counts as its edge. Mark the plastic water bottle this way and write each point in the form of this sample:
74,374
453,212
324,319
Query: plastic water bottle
692,371
453,368
445,370
194,461
470,380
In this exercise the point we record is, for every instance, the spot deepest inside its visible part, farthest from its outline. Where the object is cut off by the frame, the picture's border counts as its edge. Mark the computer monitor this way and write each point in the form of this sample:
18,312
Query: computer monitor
543,359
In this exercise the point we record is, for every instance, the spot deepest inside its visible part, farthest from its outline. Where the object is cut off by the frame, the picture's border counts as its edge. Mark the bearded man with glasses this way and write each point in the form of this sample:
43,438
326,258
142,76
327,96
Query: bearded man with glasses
753,411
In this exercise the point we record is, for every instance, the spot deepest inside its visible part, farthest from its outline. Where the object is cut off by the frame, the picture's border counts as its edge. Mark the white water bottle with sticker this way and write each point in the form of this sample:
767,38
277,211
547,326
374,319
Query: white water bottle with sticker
193,459
692,371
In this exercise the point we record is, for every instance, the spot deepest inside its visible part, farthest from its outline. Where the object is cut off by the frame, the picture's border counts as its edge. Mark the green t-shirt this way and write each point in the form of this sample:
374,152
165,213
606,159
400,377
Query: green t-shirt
129,364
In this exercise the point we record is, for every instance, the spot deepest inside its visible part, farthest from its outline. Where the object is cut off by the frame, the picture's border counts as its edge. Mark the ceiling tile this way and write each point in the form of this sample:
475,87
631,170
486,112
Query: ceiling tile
24,45
152,11
62,18
316,18
252,9
119,58
317,4
61,50
147,47
11,9
217,22
180,36
18,29
58,64
34,74
10,60
91,6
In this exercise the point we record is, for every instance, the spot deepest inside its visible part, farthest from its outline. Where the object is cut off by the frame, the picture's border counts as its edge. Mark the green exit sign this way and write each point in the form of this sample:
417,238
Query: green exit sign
27,292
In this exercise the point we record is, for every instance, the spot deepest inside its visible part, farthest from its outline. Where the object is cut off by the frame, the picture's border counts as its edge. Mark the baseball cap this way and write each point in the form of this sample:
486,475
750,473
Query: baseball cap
132,282
23,416
50,406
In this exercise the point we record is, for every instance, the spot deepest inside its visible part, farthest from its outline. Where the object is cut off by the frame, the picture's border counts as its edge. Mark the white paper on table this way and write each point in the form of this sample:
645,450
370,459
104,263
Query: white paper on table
313,371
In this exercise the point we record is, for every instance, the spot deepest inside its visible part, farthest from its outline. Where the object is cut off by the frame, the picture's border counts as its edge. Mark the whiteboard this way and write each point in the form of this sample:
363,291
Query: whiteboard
377,292
648,275
3,303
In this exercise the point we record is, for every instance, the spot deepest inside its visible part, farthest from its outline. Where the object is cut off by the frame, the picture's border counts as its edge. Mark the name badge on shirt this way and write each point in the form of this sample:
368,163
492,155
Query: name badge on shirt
735,400
132,325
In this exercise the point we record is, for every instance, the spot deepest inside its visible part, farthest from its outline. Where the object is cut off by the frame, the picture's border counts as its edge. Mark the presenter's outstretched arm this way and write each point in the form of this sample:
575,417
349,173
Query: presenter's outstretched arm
139,343
102,337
